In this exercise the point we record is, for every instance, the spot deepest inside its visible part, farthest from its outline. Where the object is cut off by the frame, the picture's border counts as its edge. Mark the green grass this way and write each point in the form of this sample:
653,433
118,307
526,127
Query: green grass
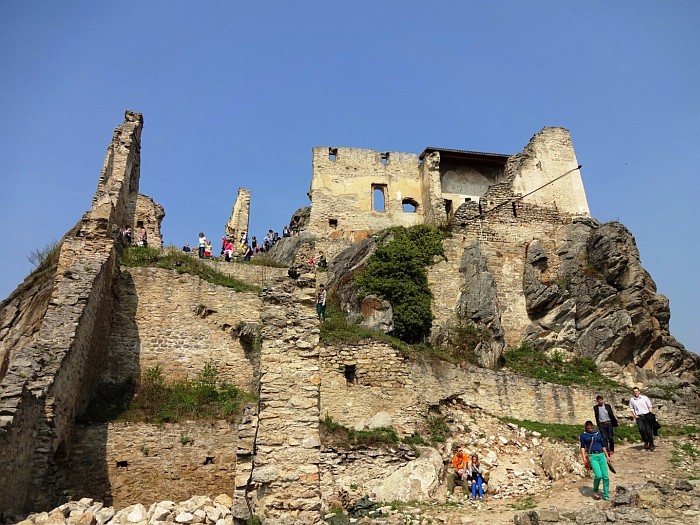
139,256
579,370
335,434
157,401
526,503
565,432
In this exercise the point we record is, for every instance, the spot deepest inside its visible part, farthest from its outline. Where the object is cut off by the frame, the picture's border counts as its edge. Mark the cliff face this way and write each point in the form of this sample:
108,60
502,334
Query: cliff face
600,303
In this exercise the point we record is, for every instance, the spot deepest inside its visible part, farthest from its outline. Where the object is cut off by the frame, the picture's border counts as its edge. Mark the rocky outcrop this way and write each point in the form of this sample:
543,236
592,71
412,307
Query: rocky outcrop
478,303
600,302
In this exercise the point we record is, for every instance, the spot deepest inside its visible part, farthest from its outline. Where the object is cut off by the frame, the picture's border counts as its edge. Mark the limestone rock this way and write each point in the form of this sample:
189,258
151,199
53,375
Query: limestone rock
415,481
556,461
478,303
377,314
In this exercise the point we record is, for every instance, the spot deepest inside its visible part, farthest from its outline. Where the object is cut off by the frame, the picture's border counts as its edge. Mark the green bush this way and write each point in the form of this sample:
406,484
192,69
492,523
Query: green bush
532,363
396,272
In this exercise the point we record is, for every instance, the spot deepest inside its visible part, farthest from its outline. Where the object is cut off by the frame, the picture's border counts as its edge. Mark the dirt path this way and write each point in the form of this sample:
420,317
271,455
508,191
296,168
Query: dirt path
633,465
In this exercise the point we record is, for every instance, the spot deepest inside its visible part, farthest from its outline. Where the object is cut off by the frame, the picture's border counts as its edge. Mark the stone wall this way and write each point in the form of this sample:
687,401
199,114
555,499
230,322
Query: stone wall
240,214
179,322
359,381
342,191
49,381
150,214
124,463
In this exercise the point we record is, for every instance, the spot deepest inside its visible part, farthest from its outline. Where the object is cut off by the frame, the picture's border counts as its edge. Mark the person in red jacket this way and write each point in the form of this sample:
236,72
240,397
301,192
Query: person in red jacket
459,475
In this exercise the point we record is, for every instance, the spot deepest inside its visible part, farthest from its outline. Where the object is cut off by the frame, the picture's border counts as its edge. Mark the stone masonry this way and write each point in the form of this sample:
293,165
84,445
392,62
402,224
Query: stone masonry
49,381
240,214
282,475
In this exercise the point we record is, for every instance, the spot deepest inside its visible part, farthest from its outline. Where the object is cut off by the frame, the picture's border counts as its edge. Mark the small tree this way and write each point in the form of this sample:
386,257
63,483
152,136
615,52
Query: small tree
396,272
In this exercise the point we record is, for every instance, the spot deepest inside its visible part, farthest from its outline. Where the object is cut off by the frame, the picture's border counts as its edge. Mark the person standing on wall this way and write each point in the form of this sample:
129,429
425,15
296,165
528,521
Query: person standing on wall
641,410
595,455
202,244
321,303
606,421
144,236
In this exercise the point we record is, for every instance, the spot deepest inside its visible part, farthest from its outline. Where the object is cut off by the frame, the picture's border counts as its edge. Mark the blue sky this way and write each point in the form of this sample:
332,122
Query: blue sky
235,94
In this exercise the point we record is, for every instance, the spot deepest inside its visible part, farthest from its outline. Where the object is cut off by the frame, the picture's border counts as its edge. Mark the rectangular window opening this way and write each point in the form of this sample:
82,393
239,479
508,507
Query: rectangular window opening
379,197
333,223
332,153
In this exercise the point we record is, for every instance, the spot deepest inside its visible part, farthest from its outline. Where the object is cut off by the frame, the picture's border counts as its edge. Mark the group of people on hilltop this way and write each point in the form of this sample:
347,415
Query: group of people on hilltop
242,245
128,236
596,449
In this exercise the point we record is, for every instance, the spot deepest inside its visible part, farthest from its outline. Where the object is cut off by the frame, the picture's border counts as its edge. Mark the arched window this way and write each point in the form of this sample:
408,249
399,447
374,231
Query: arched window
409,205
378,197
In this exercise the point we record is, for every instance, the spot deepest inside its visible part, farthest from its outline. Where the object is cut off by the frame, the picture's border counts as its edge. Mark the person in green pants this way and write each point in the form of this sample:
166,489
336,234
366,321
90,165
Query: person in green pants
595,454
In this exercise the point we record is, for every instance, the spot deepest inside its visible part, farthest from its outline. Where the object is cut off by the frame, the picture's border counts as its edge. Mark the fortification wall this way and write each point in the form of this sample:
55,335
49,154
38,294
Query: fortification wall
549,155
50,381
150,214
179,322
503,233
359,381
248,273
342,191
125,463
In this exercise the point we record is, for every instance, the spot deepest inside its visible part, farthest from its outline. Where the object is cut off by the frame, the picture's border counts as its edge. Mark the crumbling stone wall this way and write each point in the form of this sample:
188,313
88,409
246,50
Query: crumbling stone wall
122,463
49,381
179,322
150,214
361,380
343,187
240,215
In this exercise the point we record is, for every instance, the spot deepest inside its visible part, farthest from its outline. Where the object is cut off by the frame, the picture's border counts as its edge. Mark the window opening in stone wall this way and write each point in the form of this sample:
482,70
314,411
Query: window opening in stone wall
61,453
448,206
384,158
209,460
409,205
333,223
378,197
350,374
467,199
139,224
122,464
332,153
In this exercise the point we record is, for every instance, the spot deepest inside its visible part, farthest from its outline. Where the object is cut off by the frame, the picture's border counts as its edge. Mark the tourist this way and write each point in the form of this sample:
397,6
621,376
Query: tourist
322,263
228,250
224,242
247,252
186,248
207,249
202,244
254,244
144,236
286,232
321,303
478,477
642,411
127,234
459,475
594,454
606,421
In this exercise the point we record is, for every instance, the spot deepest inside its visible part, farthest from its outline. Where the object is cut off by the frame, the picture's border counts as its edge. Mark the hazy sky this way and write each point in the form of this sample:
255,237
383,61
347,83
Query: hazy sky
235,94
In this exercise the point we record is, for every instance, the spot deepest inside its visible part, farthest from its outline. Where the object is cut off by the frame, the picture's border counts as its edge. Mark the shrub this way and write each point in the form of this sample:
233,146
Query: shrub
157,401
396,272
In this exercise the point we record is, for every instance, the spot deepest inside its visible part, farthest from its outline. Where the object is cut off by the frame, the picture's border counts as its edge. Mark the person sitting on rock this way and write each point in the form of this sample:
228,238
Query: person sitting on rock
478,478
459,475
322,263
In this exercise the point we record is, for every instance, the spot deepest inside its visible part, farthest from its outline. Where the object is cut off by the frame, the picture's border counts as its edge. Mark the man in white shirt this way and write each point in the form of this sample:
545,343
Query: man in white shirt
641,409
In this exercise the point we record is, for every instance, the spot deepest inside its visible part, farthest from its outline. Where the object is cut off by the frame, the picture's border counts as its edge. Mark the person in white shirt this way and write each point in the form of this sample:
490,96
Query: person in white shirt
641,409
